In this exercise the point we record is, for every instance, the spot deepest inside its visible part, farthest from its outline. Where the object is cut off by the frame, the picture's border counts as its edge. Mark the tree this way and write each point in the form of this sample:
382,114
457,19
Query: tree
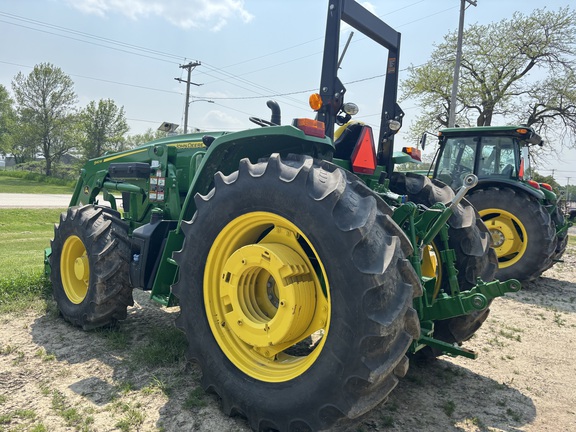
45,104
20,142
104,126
570,194
540,178
7,121
138,139
520,68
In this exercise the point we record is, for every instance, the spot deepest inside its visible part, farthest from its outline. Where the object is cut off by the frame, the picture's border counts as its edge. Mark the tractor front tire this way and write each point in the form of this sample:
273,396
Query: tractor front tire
89,267
295,294
522,233
470,240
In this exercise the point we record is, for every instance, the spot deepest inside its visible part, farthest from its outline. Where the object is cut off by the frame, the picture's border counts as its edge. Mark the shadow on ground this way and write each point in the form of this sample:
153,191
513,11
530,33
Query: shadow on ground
437,396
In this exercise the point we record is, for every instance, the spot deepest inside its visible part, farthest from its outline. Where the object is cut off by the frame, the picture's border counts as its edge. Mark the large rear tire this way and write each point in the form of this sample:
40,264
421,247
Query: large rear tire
295,294
522,232
470,240
89,267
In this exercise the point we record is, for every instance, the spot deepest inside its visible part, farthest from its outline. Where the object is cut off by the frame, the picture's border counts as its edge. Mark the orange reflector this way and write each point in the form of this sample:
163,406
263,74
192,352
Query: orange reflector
315,101
413,152
310,127
521,170
534,184
522,131
546,186
364,154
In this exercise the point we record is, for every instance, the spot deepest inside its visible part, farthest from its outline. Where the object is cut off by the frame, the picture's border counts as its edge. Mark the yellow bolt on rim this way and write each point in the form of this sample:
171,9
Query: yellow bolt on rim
263,295
75,269
509,236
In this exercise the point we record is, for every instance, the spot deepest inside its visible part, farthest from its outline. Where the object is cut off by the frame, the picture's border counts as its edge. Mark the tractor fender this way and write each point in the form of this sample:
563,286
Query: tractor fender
551,197
225,152
485,183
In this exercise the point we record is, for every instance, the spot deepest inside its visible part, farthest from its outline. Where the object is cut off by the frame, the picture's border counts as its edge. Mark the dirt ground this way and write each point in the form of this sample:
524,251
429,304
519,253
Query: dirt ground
54,377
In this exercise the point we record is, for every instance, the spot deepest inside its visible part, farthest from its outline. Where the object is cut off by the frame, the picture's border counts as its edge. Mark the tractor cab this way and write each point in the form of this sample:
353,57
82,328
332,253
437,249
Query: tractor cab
493,154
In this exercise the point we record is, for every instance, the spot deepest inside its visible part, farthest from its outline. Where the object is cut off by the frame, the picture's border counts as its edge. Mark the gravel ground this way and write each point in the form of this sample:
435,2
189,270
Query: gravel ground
54,377
63,379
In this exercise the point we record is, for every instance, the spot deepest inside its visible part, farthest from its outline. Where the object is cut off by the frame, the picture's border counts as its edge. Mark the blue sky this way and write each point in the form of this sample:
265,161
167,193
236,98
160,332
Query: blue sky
131,50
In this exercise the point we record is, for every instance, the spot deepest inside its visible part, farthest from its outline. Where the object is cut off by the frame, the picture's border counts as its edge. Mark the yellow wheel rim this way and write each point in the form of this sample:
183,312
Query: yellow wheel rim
266,298
431,267
509,236
75,269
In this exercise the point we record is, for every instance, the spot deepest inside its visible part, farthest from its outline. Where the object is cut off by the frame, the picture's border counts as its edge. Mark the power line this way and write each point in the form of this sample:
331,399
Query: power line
103,80
231,98
132,48
221,74
89,35
88,42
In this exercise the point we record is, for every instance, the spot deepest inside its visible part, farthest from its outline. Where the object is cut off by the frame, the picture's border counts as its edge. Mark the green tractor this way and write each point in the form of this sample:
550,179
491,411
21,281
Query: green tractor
528,228
304,267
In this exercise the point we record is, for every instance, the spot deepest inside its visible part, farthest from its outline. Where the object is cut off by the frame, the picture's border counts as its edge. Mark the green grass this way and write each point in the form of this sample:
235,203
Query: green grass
22,414
20,292
167,345
24,234
71,415
22,182
449,407
196,399
133,417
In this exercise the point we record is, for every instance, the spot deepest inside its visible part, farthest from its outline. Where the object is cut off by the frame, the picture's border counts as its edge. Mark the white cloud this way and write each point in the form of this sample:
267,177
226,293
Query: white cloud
345,27
219,120
369,6
213,14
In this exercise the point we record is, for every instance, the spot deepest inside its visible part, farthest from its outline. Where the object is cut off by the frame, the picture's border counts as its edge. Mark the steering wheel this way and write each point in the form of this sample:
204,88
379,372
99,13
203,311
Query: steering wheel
462,169
261,122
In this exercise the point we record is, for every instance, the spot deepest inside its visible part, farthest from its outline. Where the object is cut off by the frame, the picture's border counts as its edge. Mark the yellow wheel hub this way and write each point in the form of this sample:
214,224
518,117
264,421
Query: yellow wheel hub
509,236
75,269
260,318
431,267
263,295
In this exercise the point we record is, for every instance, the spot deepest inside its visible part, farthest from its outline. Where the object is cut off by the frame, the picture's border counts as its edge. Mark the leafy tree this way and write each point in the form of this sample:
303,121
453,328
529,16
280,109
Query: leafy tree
138,139
520,68
570,194
546,179
20,142
45,103
7,121
104,126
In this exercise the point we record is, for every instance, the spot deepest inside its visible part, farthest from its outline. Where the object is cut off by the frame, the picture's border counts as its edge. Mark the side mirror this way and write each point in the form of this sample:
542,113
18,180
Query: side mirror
423,141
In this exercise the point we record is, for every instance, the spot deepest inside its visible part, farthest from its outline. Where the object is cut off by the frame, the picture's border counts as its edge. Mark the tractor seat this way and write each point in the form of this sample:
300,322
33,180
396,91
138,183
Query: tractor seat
346,138
507,171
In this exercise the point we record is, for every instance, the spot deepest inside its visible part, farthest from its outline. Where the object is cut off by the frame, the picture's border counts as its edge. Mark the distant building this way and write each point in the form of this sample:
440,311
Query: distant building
6,161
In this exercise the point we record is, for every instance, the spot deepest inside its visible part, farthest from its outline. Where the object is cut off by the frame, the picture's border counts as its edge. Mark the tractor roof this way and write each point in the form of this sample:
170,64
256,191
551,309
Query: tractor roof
525,133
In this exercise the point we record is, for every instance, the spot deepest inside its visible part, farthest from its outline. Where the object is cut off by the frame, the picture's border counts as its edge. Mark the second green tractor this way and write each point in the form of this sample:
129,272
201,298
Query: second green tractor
528,228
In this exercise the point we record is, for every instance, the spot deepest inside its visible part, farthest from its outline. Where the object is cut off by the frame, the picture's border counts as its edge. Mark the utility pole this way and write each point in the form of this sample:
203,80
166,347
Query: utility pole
189,67
452,115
